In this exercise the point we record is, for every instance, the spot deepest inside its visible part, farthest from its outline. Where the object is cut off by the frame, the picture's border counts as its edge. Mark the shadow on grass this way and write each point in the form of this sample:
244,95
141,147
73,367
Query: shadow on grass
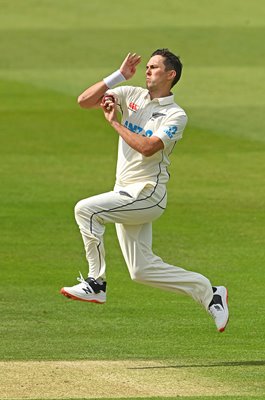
256,363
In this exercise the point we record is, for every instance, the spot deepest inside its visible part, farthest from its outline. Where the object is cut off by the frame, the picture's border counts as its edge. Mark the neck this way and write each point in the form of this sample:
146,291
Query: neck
157,93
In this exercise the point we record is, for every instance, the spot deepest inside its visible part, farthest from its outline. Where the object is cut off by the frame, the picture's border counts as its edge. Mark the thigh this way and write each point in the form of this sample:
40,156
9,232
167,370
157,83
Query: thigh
119,208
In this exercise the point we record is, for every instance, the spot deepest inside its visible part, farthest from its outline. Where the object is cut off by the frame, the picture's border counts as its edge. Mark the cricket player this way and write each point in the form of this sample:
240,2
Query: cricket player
151,125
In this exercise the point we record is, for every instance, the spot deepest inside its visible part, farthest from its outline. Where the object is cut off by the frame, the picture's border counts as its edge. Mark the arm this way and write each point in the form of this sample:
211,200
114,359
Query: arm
92,96
147,146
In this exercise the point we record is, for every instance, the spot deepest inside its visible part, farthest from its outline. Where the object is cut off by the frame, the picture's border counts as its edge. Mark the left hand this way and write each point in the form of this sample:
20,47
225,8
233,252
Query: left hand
108,106
128,67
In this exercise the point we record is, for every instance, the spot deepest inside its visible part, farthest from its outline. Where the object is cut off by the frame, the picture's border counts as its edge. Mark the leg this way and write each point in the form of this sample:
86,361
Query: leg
93,213
147,268
92,231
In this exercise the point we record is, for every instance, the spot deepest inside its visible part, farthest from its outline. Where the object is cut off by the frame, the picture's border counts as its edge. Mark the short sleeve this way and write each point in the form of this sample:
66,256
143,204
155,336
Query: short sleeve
172,129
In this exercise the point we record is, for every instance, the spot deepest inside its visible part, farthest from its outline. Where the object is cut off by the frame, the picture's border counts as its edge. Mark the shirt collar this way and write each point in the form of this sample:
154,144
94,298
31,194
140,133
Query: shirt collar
163,101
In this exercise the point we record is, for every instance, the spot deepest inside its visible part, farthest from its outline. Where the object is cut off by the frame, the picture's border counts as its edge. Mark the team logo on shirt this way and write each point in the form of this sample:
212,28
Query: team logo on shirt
133,107
157,115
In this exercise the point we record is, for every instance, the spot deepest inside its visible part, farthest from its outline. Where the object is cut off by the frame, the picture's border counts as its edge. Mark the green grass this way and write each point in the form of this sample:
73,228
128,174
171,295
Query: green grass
53,154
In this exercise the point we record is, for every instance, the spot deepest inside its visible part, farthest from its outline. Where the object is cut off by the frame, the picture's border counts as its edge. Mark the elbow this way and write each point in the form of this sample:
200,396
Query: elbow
151,147
148,151
86,101
81,102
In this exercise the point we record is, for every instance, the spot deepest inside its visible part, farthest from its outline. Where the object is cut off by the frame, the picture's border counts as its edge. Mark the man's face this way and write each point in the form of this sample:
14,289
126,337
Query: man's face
156,74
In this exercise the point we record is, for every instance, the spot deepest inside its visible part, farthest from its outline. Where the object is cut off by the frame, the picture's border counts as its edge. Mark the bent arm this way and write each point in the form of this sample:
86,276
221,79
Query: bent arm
92,96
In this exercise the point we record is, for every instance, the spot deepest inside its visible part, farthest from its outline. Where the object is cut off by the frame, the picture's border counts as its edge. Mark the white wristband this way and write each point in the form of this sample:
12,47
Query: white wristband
114,79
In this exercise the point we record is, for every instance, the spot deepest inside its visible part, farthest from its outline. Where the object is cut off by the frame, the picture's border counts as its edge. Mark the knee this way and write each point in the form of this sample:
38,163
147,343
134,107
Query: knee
82,210
78,209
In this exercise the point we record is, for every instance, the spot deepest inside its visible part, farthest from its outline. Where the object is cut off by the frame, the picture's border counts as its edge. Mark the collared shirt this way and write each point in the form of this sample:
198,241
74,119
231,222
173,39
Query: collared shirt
160,117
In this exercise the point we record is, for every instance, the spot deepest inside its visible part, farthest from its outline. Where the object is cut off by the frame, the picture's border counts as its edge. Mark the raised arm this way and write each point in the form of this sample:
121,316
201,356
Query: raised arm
92,96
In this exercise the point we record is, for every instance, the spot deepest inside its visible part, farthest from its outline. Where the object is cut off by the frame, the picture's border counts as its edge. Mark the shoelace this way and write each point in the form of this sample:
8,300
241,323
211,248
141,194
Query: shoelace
90,288
81,279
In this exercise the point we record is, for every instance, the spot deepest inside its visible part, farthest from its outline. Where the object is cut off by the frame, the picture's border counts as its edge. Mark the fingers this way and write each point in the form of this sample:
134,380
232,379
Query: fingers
128,67
133,59
109,106
108,102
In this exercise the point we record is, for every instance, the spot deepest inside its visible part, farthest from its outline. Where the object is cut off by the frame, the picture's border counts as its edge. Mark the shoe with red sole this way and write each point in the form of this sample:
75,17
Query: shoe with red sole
218,307
87,290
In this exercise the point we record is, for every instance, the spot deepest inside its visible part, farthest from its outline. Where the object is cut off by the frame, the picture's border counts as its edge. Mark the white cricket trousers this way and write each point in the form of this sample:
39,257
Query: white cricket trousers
133,219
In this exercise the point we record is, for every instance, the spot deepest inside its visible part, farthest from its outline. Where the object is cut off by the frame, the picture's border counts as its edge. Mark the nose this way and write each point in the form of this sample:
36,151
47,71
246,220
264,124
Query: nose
148,71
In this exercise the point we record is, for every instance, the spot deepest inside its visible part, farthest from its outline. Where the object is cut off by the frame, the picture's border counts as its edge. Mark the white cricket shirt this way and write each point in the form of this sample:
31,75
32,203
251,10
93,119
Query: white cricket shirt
160,117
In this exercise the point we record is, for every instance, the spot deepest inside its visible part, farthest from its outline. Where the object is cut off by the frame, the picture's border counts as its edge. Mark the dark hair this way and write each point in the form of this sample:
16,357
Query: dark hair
171,61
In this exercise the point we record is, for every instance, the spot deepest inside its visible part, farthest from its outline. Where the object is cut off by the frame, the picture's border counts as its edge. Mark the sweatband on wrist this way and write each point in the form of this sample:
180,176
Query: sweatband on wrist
114,79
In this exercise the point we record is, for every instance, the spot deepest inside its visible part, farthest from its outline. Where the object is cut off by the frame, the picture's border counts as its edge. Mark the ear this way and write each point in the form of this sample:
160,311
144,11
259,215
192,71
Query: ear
171,74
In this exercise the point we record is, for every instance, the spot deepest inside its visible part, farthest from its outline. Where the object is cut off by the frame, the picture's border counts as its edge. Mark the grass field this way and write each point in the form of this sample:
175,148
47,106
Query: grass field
149,343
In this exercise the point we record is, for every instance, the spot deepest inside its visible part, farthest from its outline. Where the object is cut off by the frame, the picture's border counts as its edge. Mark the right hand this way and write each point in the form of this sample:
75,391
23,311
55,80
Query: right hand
108,105
128,67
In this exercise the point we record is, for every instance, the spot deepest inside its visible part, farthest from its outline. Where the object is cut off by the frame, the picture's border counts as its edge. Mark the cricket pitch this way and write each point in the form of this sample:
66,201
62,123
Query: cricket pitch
101,379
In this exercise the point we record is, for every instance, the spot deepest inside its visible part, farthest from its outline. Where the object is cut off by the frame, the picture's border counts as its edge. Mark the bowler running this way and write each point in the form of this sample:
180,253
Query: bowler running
151,125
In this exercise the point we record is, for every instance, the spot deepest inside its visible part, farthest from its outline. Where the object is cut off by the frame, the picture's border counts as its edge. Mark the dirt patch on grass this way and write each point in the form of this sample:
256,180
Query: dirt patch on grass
95,379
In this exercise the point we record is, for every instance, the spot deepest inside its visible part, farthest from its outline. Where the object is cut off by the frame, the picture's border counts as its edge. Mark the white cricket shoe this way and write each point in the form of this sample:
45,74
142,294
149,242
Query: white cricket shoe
218,307
87,290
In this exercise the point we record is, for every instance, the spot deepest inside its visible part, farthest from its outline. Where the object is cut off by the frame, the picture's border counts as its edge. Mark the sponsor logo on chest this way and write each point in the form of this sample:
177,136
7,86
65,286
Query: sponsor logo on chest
137,129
